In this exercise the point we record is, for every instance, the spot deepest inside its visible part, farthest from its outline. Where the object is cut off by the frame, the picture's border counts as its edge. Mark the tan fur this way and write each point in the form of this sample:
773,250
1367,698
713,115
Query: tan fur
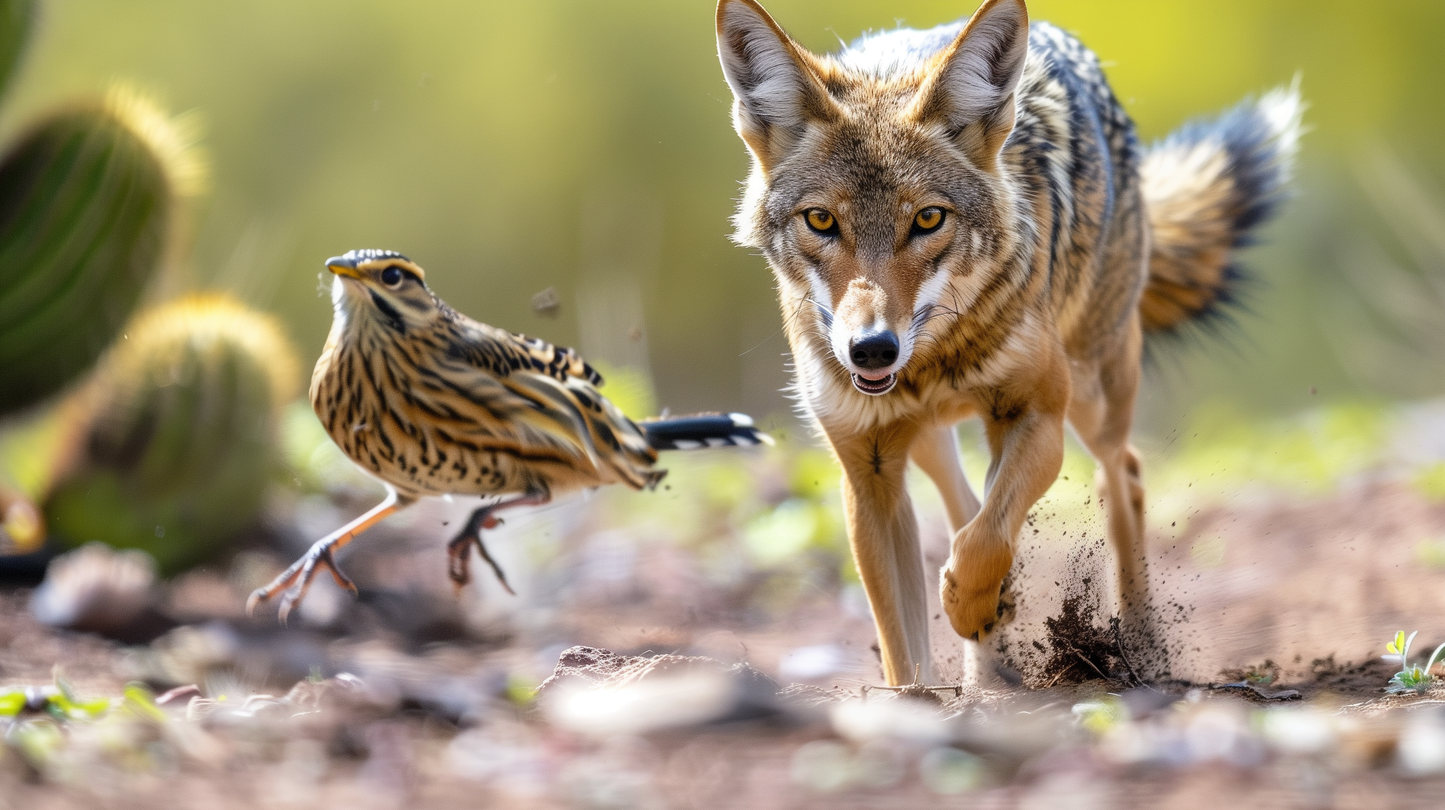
1188,191
1022,309
1199,205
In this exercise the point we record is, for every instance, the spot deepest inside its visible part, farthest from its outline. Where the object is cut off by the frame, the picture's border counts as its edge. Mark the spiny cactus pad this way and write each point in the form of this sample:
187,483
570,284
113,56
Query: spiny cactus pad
86,201
173,442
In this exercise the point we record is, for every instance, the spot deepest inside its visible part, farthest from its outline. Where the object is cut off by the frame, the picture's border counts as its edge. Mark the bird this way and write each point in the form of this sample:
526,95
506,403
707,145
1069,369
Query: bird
433,403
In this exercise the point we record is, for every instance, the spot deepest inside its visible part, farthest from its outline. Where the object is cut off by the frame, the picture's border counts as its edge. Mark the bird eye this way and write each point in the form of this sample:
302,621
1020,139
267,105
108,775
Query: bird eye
820,221
928,220
391,276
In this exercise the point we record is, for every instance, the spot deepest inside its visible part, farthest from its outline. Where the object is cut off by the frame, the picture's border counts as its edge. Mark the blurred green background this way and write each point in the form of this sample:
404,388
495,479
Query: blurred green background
586,146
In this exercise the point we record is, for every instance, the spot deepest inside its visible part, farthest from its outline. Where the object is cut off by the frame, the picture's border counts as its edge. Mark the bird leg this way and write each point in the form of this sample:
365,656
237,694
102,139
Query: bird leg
296,580
459,550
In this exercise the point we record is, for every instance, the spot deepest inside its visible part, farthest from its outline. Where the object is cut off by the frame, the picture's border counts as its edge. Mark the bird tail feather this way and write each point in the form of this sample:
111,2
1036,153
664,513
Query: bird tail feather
703,430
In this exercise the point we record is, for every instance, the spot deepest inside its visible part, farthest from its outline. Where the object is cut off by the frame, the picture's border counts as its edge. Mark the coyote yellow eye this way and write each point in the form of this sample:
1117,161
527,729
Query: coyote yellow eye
820,220
928,220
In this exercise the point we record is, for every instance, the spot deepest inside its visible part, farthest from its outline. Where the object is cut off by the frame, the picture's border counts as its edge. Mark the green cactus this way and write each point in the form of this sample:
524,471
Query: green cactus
16,18
173,441
86,204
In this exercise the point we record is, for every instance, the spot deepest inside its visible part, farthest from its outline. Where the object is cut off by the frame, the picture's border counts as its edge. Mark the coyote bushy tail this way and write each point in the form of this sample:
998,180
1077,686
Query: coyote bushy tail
1207,187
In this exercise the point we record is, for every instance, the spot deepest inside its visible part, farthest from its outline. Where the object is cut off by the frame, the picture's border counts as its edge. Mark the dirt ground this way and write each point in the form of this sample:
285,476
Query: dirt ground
700,689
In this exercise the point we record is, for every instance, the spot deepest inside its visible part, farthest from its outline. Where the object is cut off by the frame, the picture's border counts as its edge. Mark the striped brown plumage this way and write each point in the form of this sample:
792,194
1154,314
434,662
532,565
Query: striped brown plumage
431,402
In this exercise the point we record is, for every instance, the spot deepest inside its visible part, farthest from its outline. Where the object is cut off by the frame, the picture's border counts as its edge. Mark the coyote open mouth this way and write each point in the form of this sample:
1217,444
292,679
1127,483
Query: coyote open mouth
875,388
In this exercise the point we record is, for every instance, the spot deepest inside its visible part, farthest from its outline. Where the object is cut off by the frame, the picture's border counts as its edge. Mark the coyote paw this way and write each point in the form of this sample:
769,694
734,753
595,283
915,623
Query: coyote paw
971,584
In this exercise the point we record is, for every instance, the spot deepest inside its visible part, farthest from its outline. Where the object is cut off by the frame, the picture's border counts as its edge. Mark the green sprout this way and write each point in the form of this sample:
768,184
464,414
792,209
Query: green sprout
1411,677
1101,715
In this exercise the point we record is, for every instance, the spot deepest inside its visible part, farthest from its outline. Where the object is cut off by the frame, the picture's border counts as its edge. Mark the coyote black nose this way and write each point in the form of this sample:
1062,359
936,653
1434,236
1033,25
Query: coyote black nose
874,350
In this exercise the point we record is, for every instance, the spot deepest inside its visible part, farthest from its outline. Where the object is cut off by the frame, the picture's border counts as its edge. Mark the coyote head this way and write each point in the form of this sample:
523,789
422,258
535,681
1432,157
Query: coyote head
876,190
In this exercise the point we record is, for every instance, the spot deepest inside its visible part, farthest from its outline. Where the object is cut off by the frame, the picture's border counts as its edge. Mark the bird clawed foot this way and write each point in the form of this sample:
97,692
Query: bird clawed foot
459,556
294,582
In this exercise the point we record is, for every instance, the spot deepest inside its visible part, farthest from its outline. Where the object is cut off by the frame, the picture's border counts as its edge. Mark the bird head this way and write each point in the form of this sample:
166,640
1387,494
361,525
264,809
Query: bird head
381,287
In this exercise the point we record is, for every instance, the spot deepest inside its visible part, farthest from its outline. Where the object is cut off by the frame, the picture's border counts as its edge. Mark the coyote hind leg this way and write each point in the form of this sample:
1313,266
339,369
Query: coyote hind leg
1101,414
936,452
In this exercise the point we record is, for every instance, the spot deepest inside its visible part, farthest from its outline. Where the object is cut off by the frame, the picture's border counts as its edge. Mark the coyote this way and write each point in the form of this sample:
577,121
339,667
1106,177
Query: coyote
962,223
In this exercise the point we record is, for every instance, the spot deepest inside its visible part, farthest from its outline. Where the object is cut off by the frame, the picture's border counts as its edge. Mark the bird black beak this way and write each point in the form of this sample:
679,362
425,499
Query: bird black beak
343,266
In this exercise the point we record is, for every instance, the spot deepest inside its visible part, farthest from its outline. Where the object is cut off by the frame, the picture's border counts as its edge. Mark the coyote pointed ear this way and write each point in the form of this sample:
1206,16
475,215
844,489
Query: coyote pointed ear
775,91
970,87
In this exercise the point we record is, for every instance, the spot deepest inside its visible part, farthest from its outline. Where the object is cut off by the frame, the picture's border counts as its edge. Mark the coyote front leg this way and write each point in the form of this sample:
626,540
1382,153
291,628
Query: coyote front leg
883,532
1027,446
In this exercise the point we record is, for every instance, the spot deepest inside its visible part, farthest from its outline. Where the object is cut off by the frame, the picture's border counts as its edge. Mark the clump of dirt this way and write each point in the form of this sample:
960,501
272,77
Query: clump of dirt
1350,677
1078,648
1061,634
1065,629
1264,673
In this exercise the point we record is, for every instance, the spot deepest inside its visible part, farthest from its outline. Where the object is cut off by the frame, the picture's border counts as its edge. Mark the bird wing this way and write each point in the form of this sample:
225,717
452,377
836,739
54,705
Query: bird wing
538,395
503,352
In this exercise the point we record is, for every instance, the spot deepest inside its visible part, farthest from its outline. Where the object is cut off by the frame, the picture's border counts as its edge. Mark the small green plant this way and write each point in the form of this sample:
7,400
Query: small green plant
1099,716
1411,677
38,723
60,703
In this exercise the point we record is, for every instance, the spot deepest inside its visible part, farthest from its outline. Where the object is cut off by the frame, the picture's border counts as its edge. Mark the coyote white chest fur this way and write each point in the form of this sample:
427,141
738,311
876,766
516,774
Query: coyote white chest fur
962,224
